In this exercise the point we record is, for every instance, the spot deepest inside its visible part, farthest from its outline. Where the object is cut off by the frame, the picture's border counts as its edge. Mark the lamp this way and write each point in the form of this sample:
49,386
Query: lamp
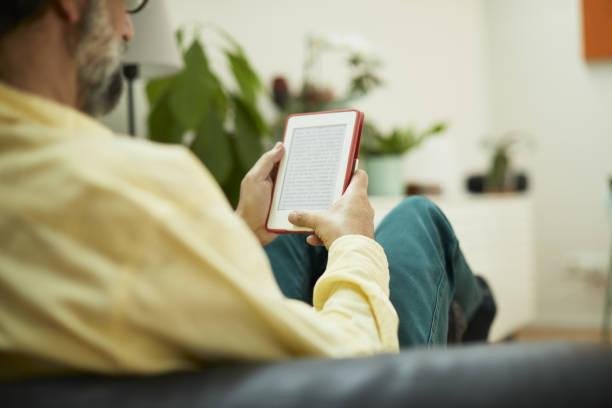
608,301
151,53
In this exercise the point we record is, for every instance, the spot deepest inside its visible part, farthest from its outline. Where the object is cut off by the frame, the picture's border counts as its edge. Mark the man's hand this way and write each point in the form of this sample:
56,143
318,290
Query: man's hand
256,194
352,214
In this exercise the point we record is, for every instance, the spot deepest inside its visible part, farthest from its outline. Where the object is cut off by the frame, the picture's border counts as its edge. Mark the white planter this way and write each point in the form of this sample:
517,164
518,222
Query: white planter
385,175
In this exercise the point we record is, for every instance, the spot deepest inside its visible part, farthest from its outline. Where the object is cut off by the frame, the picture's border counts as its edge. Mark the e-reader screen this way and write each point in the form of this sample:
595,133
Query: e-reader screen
313,164
320,152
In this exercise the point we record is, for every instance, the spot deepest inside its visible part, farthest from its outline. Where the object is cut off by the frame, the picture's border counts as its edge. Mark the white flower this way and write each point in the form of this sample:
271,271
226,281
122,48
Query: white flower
352,43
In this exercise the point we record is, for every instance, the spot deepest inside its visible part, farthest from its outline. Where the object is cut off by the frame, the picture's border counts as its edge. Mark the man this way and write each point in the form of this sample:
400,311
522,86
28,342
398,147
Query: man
120,255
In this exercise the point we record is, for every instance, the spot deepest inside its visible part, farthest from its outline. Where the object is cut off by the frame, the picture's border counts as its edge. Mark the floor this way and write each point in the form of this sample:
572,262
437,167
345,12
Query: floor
536,334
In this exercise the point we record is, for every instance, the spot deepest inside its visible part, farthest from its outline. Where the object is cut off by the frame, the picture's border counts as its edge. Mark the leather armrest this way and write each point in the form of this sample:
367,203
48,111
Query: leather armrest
555,375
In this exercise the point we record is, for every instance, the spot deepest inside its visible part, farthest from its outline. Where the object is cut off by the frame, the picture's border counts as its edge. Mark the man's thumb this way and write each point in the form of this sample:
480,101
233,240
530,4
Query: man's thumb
359,181
304,219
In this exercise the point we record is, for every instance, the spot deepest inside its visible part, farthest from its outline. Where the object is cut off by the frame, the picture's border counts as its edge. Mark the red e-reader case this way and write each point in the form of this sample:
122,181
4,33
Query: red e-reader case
350,168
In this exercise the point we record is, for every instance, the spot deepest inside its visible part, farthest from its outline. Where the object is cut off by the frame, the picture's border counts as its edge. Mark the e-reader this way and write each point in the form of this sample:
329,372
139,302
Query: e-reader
321,152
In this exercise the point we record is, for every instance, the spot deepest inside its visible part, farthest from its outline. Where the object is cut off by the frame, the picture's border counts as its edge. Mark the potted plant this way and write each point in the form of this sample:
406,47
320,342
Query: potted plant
500,176
311,95
221,124
383,153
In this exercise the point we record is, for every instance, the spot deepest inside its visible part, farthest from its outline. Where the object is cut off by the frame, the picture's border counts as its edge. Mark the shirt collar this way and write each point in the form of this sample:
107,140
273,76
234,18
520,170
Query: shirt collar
20,106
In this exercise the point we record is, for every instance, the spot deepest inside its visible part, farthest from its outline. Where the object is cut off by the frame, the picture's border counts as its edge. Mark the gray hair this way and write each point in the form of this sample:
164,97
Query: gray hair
98,58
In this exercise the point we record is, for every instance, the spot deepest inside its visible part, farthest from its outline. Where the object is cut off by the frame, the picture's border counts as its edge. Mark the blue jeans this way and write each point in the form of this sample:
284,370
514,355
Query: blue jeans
427,268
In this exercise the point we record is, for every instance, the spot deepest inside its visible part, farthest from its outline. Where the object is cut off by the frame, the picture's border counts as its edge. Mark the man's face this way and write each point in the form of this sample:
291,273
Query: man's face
105,30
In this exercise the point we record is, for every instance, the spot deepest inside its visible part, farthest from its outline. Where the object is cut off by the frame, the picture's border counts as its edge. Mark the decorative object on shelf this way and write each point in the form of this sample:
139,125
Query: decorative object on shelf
383,153
221,124
313,96
151,53
476,184
422,189
500,177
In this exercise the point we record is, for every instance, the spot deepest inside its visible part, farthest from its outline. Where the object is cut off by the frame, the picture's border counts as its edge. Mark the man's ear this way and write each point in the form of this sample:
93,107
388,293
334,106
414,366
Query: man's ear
71,10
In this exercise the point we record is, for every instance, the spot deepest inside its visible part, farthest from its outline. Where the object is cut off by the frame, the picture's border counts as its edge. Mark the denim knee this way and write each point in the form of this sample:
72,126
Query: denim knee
419,204
425,209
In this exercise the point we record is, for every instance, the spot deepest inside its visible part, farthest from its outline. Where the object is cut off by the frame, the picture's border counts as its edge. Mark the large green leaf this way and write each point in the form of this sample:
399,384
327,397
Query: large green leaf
245,76
195,57
156,88
248,138
163,127
191,89
231,187
255,117
180,38
212,146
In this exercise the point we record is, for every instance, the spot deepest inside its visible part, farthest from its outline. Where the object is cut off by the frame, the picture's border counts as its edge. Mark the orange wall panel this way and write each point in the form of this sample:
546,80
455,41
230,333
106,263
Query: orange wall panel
597,25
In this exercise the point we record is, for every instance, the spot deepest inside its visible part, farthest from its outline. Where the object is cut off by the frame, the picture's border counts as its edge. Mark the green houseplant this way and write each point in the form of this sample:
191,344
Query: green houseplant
500,176
222,125
383,154
311,95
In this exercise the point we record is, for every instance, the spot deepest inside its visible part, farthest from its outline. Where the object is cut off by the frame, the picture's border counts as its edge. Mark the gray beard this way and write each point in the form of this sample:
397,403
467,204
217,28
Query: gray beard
98,57
101,99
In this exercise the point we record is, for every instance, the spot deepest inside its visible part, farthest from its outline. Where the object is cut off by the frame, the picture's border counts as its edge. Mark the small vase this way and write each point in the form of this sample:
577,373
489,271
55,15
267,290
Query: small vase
385,175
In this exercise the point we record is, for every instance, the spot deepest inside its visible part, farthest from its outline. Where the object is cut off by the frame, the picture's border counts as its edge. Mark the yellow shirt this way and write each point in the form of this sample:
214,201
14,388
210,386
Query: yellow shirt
123,256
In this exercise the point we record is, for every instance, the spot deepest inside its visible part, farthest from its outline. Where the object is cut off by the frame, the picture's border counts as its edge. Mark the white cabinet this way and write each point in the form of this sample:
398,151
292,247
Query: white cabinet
496,236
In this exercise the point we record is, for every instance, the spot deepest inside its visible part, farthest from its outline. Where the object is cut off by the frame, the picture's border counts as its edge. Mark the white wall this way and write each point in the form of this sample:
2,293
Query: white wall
432,50
539,82
486,66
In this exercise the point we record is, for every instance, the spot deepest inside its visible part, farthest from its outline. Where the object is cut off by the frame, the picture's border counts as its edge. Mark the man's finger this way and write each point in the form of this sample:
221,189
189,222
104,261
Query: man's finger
304,219
313,240
359,181
264,166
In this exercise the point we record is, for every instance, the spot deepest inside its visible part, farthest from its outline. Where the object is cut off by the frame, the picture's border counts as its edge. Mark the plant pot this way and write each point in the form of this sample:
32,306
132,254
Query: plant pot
385,175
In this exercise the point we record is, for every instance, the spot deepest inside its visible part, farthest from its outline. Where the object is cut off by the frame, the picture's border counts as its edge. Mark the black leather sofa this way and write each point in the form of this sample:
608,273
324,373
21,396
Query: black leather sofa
543,375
